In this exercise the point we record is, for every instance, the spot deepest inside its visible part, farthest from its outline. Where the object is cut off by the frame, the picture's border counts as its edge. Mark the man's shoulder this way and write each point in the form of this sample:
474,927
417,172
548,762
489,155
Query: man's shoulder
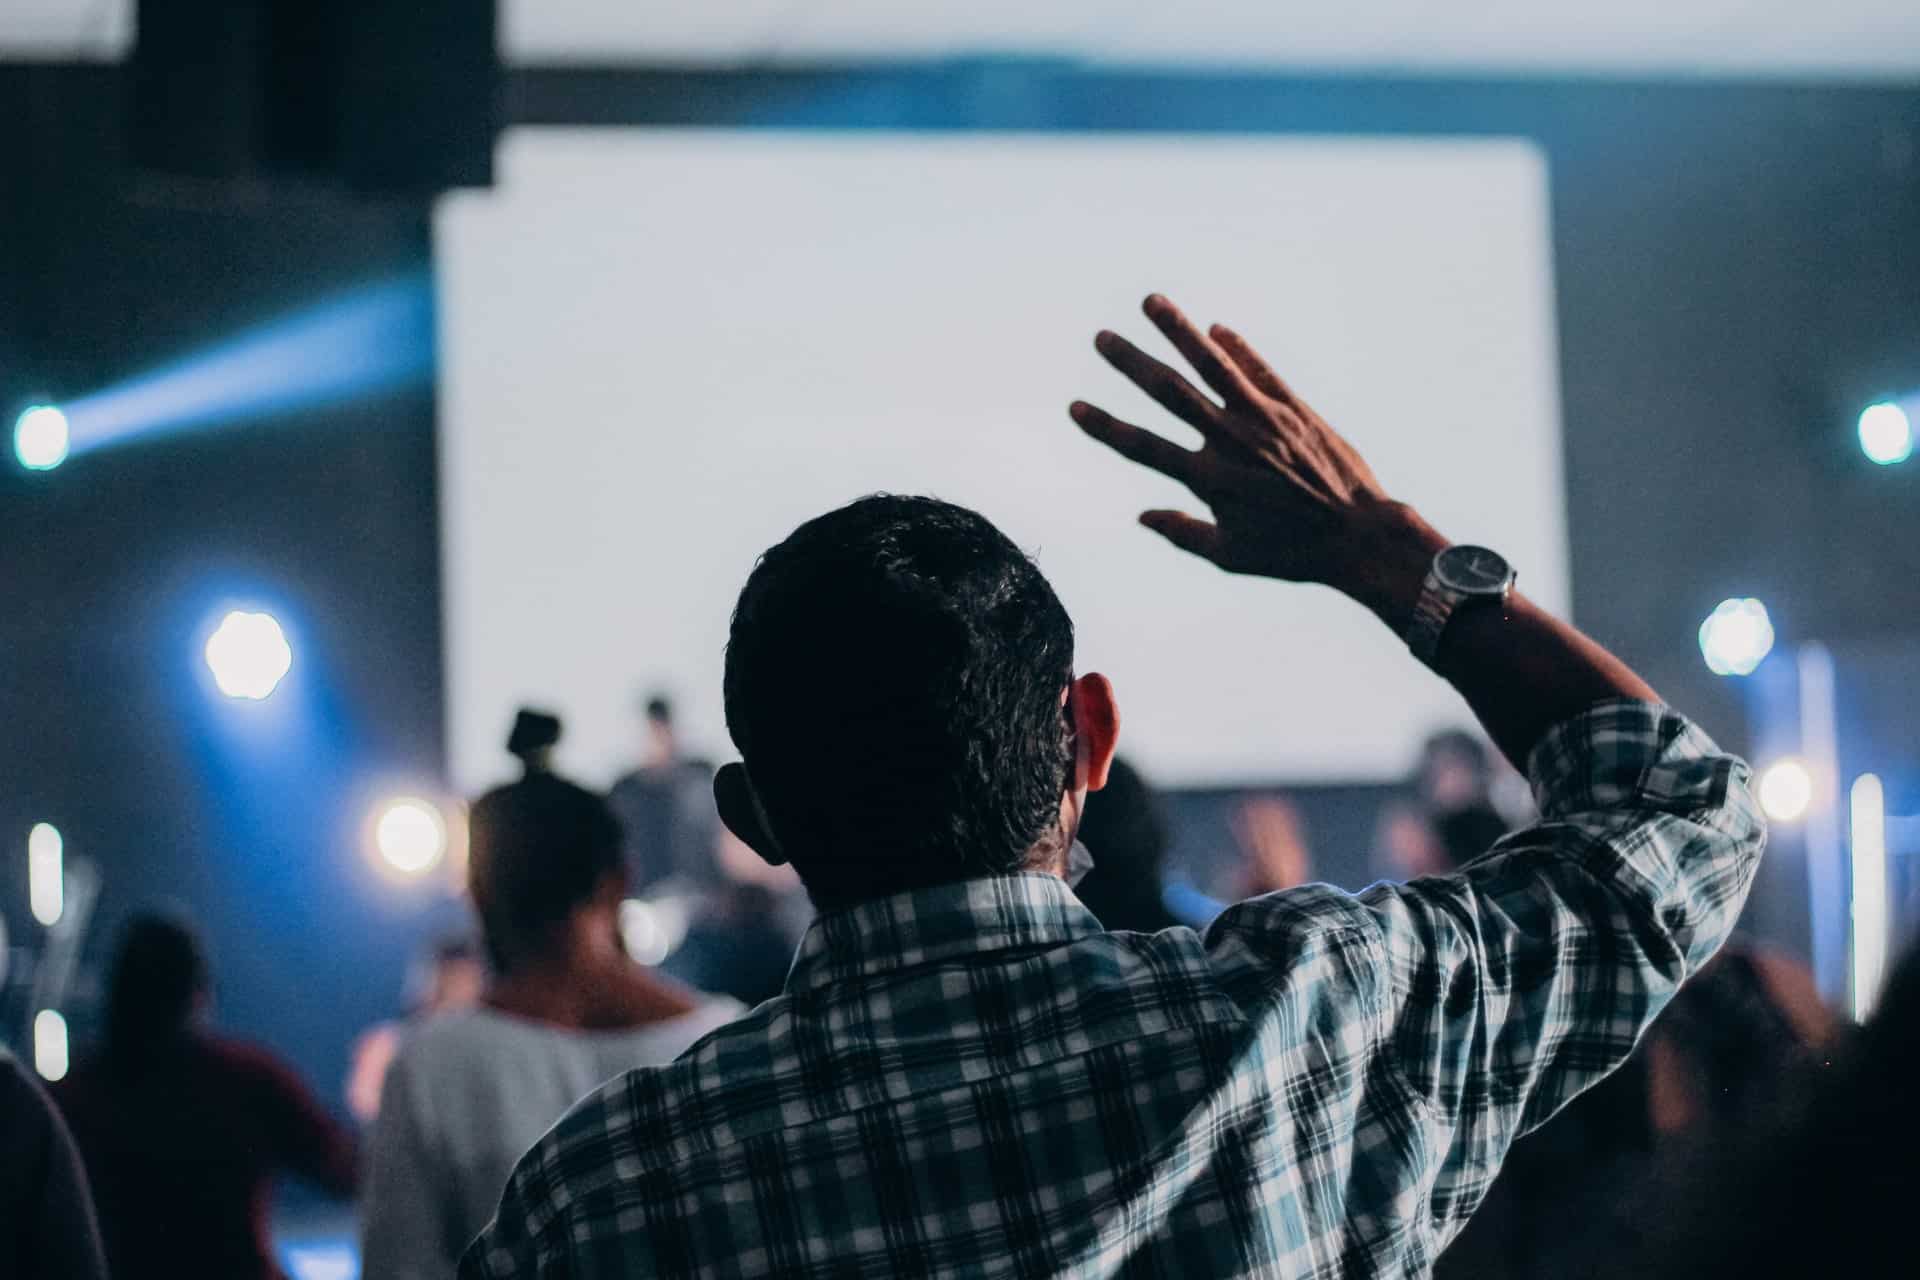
1295,915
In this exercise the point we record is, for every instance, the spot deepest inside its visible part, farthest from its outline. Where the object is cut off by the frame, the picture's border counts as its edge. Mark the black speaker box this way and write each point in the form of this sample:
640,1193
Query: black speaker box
380,95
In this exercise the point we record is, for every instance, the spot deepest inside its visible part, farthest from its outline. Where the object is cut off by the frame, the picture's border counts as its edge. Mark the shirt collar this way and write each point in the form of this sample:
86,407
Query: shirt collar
945,922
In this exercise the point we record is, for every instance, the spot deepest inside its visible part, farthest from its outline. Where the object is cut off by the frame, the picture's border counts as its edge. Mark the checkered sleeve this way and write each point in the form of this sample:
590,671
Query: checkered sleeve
516,1245
1509,988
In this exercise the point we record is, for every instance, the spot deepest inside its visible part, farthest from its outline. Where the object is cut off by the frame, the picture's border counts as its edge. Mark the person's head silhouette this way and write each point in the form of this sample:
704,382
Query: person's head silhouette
899,681
544,856
157,984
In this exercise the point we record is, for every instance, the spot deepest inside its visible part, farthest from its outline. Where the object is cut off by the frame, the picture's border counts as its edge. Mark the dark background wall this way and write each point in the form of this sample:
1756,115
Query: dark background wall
243,814
1738,271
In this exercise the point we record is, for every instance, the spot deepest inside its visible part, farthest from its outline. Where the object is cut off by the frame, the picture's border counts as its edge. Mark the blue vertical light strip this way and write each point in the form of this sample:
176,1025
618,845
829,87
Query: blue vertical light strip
375,338
1827,876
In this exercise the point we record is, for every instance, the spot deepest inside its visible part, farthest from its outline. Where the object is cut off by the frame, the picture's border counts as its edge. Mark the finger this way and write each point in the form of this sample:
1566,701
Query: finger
1257,370
1206,358
1171,391
1130,442
1191,535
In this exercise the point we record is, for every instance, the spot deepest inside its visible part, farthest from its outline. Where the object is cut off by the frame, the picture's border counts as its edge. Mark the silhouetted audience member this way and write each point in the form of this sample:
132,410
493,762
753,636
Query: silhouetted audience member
1467,833
968,1075
564,1010
1455,772
1832,1191
182,1131
739,944
1618,1182
1125,830
1405,844
47,1228
665,807
1451,818
449,976
1272,839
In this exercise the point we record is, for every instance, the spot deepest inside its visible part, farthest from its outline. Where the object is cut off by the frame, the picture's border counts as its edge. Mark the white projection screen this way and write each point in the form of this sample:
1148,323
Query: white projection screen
662,350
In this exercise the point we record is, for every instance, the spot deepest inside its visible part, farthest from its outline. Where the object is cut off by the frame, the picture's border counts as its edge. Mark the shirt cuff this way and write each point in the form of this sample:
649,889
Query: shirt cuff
1625,753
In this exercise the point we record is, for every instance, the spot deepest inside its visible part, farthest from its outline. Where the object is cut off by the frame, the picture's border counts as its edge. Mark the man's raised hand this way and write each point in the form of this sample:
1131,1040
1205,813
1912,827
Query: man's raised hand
1289,497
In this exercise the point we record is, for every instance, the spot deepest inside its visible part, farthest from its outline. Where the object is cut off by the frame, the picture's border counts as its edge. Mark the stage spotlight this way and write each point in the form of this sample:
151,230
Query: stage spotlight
50,1044
248,655
1886,434
1736,636
40,438
46,873
1786,790
368,340
410,835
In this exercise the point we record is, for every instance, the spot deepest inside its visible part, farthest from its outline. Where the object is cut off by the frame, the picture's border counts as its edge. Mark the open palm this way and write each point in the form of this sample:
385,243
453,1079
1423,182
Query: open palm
1289,497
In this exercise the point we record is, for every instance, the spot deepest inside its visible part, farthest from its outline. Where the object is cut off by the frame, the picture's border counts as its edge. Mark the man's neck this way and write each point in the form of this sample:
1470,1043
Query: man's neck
1050,865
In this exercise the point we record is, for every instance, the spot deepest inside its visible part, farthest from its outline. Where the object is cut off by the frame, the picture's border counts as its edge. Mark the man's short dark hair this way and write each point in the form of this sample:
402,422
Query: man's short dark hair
893,682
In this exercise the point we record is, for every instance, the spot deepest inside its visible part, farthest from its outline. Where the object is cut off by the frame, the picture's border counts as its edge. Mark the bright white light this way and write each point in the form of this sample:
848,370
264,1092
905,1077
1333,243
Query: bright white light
46,873
40,438
1736,636
1786,790
1868,804
1886,436
652,929
321,1262
410,835
50,1044
248,654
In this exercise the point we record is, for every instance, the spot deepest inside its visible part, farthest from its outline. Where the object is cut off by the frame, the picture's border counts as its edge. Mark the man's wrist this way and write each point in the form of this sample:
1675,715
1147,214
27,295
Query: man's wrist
1393,550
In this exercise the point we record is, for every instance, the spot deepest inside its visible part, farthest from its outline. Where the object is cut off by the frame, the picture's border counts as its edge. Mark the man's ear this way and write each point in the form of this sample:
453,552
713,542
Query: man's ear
741,810
1096,729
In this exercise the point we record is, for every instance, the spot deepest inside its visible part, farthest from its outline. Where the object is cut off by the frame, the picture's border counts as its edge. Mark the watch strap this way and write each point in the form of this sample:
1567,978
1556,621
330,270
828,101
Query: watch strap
1430,614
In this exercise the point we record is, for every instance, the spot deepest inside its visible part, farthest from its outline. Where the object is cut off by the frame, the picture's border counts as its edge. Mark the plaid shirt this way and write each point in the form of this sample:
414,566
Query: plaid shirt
976,1080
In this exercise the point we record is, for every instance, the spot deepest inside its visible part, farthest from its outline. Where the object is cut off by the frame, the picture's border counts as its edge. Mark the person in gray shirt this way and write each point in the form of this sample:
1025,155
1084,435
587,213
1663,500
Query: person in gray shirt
565,1009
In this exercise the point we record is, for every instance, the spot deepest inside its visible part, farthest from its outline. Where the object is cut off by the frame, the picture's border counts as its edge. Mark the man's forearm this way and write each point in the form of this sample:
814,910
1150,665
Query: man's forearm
1521,669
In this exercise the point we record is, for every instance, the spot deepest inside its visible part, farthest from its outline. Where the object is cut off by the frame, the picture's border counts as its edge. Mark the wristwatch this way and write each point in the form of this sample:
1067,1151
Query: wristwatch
1460,575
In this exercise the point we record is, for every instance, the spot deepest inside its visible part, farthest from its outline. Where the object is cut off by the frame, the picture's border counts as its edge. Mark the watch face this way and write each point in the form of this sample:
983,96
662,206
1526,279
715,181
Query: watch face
1473,570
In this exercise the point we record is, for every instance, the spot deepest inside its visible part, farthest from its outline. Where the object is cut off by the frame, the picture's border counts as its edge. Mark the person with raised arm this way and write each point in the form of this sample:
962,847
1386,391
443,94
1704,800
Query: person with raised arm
968,1076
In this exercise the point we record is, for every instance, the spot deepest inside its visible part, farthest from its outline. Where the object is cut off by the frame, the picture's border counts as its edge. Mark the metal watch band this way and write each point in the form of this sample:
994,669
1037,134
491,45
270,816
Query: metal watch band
1430,614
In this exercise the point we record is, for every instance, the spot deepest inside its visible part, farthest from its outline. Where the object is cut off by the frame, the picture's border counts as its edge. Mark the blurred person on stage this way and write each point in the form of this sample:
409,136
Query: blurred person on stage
565,1008
47,1226
665,808
968,1075
183,1131
449,976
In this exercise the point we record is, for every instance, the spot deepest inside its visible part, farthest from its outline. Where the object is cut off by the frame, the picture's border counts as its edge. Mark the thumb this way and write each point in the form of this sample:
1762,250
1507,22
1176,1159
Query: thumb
1191,535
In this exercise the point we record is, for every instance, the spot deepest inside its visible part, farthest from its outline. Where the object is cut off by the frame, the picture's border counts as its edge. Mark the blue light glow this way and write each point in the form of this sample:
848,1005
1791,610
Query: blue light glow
375,338
1886,433
40,438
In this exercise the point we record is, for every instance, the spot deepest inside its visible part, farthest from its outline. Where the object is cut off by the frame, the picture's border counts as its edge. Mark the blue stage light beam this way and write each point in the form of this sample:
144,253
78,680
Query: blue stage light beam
371,339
